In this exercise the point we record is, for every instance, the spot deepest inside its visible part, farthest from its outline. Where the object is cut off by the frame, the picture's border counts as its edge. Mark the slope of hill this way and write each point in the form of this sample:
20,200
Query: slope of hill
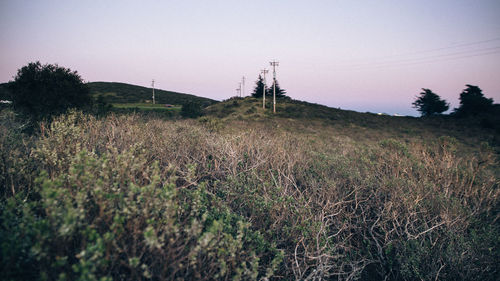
249,107
365,125
114,92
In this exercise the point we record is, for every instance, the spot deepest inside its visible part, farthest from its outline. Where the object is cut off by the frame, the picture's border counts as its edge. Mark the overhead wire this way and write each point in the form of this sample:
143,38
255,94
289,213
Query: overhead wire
394,61
429,59
461,45
481,48
436,60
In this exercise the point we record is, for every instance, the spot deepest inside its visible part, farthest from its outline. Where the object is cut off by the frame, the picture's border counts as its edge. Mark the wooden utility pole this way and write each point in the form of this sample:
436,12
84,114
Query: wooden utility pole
153,85
274,64
238,90
264,71
243,85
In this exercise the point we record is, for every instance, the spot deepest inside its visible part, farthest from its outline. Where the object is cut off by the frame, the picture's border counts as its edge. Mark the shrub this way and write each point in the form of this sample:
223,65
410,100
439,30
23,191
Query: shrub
17,168
40,91
191,109
473,102
212,124
118,216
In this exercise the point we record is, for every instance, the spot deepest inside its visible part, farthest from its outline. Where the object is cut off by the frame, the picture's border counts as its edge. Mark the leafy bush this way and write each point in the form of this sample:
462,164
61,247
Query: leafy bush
17,168
40,91
212,124
118,216
192,109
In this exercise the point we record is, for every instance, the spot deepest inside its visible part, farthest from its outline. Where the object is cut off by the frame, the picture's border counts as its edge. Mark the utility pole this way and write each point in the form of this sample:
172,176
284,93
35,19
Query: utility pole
264,71
153,85
238,90
243,83
274,64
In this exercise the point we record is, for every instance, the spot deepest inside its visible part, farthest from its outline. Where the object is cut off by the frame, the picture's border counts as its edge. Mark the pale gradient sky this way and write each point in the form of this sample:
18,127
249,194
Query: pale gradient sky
361,55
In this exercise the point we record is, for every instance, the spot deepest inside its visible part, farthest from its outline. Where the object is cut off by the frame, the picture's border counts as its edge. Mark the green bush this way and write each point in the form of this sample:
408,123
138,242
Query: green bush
41,91
17,168
191,109
115,216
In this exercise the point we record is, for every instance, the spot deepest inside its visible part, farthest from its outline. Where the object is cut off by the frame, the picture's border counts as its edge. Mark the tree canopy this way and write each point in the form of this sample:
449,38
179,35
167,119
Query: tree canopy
429,103
40,91
259,87
192,109
279,91
473,102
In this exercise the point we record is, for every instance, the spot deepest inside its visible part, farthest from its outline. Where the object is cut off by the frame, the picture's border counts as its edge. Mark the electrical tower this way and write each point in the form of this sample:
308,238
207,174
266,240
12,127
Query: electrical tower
264,71
153,85
274,64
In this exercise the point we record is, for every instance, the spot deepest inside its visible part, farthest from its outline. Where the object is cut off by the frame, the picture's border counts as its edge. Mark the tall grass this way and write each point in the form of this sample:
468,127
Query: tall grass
128,197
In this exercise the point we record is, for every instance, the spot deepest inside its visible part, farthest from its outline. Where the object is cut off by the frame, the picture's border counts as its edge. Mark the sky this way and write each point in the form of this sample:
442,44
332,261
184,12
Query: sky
368,56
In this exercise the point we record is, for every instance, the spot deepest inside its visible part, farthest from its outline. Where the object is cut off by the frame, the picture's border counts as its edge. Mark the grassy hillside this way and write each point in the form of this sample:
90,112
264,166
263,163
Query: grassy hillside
356,124
146,106
125,93
311,193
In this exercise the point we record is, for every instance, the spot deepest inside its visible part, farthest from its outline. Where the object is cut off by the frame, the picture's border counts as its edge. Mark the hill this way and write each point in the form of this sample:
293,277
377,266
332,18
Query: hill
114,92
248,107
365,125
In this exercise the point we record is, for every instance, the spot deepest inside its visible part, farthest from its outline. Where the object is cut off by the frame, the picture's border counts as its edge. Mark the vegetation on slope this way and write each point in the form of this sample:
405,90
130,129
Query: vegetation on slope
364,125
248,195
125,93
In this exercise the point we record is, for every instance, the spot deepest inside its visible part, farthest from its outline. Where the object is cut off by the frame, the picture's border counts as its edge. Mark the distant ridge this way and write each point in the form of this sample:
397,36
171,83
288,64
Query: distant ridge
115,92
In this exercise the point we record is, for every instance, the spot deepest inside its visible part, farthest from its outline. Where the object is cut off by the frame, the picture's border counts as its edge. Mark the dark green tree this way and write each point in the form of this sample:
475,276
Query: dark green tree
5,91
40,91
279,91
191,109
473,102
100,106
429,103
259,88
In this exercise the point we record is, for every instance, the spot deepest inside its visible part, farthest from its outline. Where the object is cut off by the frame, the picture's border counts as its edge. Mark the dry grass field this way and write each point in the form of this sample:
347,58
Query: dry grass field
240,194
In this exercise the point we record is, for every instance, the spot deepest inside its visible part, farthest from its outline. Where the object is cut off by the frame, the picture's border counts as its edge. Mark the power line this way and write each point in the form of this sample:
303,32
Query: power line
439,60
468,53
451,47
423,51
